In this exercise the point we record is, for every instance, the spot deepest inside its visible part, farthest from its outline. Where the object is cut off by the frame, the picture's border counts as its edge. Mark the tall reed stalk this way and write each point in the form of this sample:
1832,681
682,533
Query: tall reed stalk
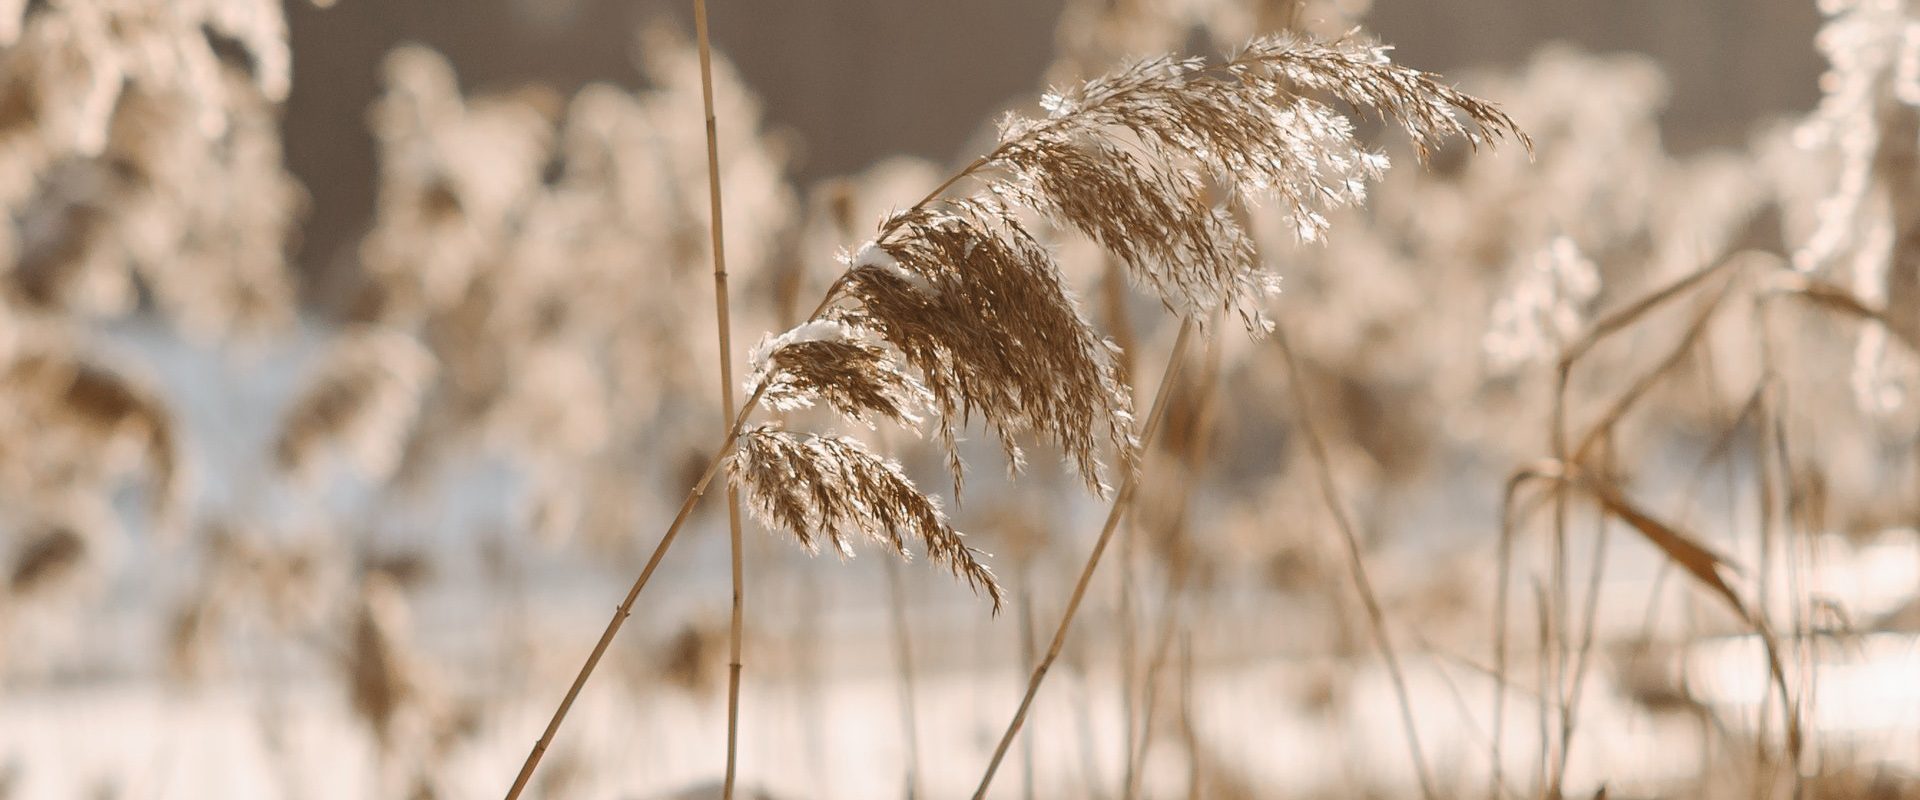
724,324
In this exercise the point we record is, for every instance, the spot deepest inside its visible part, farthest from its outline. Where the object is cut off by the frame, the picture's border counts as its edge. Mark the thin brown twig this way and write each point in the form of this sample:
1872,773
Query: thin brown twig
1180,568
1599,434
1121,501
903,661
1356,562
1137,749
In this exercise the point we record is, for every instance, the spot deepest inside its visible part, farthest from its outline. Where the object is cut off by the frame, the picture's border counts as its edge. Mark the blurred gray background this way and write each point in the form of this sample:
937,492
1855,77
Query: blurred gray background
854,80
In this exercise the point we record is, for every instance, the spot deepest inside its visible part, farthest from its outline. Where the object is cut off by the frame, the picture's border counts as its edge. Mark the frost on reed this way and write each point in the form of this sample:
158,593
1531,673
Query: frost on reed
957,302
1543,310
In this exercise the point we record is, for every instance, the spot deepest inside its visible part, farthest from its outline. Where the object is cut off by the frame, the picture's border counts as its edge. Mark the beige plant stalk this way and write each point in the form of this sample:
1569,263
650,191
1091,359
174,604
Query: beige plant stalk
738,619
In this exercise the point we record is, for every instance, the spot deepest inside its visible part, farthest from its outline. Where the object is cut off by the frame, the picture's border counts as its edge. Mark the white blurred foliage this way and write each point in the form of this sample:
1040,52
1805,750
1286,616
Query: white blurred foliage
1861,139
553,255
1544,308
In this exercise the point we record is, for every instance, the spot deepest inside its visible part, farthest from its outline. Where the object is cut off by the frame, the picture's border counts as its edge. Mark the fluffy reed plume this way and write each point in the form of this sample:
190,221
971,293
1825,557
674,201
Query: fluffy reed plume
964,293
960,287
138,155
833,361
360,402
835,486
507,232
976,305
396,691
77,425
687,661
1543,311
62,548
46,556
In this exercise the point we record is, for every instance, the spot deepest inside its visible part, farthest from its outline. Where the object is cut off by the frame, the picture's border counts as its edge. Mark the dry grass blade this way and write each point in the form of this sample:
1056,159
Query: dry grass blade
1822,294
1637,390
1625,316
1706,566
1357,566
817,486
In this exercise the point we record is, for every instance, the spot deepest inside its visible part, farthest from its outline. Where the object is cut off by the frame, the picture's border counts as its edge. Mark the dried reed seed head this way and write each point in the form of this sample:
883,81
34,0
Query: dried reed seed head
1358,71
977,306
83,409
1150,160
1544,309
818,486
380,673
833,361
362,400
47,555
691,658
190,633
150,130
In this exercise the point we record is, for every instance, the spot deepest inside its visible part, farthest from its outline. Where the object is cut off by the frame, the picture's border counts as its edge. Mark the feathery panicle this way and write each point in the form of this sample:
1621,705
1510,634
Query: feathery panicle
819,485
1150,160
47,555
843,365
1359,71
977,306
380,675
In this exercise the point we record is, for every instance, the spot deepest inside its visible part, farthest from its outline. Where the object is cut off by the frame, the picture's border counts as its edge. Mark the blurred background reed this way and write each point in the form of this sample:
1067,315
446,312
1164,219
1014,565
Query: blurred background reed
354,356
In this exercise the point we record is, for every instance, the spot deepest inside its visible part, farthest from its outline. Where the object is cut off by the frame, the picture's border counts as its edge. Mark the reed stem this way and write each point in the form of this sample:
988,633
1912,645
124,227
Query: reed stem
1121,501
625,608
735,629
1356,564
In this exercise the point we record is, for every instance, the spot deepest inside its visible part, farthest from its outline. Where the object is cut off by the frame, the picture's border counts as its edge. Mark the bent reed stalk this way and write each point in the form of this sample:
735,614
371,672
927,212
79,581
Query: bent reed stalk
1121,503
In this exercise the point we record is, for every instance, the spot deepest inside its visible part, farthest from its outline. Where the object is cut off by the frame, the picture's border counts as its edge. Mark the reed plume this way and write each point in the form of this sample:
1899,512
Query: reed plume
1151,163
360,402
961,291
835,485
